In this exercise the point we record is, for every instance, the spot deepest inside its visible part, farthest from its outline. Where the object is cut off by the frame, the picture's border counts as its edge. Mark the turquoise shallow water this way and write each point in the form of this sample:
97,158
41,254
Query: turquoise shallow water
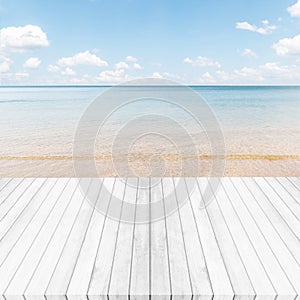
271,107
39,121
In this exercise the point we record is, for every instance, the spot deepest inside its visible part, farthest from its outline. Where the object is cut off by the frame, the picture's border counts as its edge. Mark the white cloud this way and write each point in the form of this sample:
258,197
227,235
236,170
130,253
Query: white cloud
288,46
172,76
53,68
274,66
111,76
272,72
14,77
265,29
137,66
165,75
156,75
247,53
81,80
105,77
5,64
206,78
122,65
129,63
294,10
245,26
202,61
20,75
130,58
223,76
156,64
132,63
82,58
32,63
248,72
68,71
21,39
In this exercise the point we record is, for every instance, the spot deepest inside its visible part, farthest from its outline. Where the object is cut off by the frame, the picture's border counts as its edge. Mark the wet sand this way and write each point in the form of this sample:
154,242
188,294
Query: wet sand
235,165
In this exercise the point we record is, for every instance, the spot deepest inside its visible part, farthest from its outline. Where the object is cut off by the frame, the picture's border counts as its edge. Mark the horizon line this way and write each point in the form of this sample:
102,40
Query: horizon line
150,85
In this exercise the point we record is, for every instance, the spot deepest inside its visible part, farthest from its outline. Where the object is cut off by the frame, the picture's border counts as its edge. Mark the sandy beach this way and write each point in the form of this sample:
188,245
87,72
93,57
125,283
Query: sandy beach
236,166
260,129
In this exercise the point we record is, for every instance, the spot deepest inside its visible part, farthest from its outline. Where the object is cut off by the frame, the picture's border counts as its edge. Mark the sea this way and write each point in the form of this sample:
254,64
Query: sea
144,127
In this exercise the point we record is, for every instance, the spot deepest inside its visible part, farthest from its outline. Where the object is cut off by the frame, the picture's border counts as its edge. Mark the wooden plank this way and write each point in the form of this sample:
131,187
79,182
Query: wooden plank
61,276
273,268
15,257
11,235
296,180
77,212
102,268
14,194
179,272
78,285
160,265
140,270
286,260
278,222
120,271
223,259
35,223
58,223
296,183
285,196
286,212
54,244
21,205
261,283
37,257
4,182
290,187
9,188
197,262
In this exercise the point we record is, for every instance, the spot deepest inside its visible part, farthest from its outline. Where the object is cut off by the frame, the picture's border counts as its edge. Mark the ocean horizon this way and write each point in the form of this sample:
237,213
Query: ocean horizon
260,125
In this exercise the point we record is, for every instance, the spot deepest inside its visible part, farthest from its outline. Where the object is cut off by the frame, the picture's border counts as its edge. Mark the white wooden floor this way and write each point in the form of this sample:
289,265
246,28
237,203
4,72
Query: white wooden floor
245,243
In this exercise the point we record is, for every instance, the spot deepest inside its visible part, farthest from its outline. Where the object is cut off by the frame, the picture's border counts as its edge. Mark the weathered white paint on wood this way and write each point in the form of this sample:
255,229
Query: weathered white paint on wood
57,242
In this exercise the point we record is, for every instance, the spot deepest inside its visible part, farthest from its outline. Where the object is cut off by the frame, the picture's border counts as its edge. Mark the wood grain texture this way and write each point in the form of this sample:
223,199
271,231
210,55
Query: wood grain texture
142,237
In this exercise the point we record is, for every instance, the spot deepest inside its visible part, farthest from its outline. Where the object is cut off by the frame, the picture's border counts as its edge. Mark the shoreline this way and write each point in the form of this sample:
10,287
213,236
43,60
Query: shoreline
234,166
269,157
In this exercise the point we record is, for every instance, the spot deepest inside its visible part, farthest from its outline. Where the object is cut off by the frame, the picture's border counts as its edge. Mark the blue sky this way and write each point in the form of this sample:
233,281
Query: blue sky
111,41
